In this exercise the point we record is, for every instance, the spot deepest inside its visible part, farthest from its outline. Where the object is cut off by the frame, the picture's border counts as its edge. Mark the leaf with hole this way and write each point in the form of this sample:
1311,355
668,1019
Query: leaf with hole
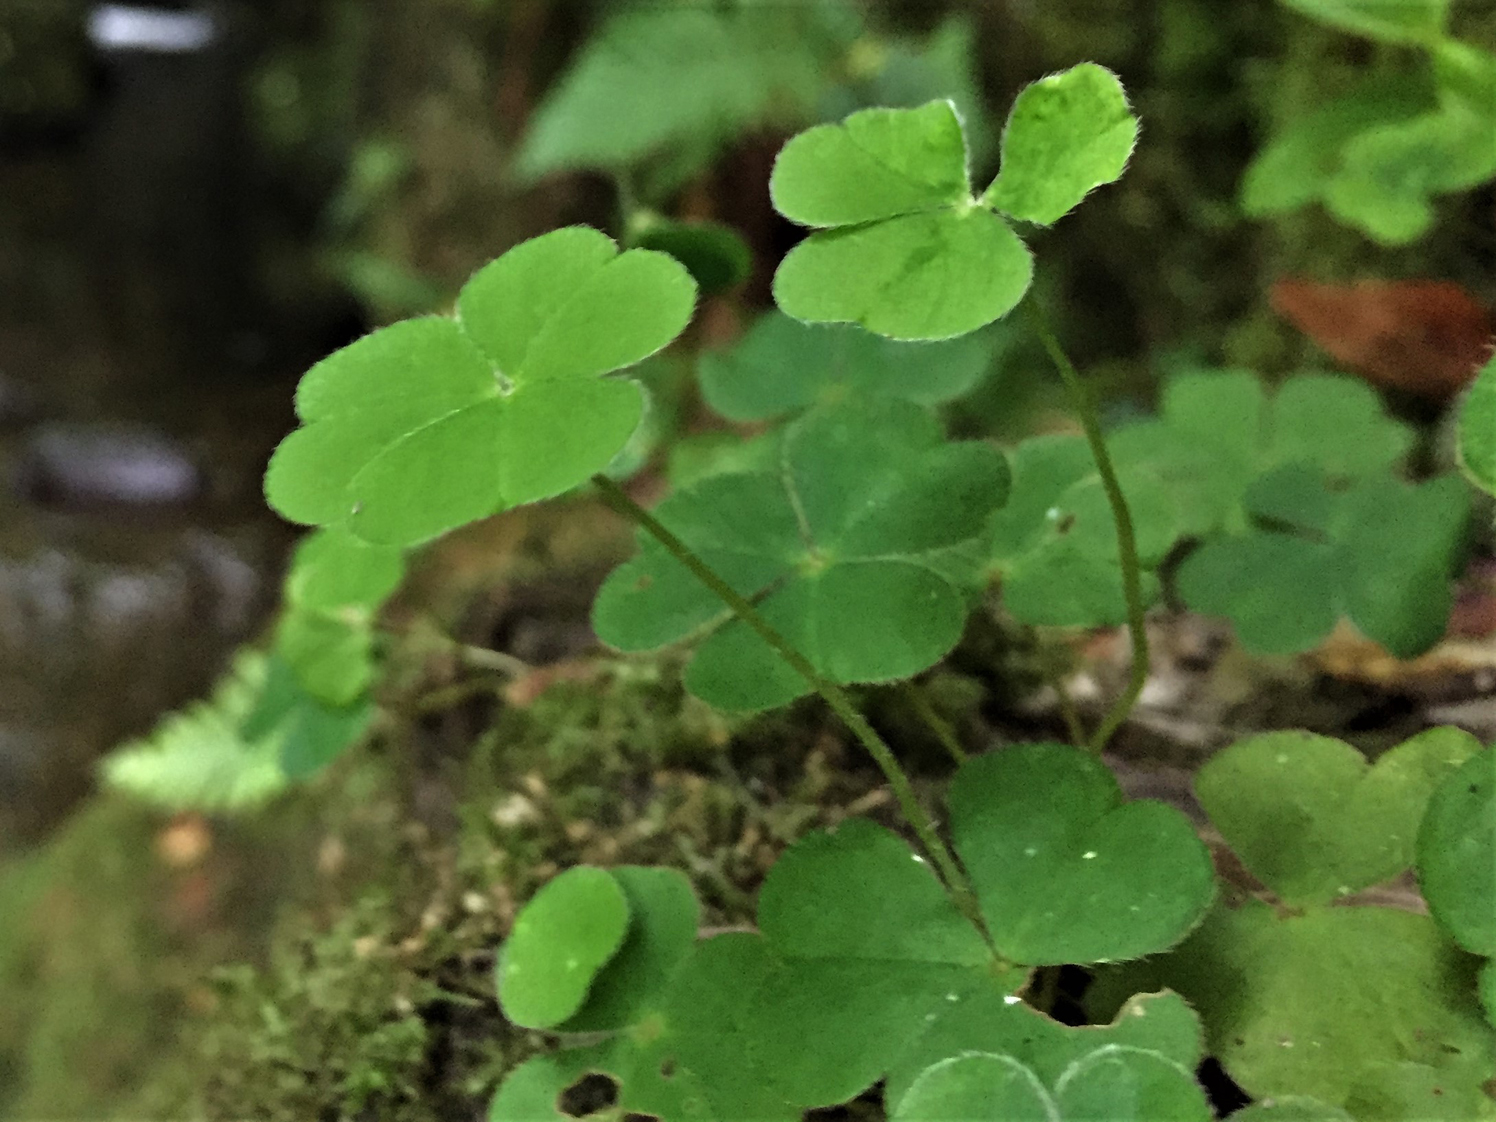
1457,854
846,550
435,422
1313,820
781,366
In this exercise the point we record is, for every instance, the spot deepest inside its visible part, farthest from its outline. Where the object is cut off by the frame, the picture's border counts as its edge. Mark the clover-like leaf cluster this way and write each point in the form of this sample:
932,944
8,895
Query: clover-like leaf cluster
1054,546
901,244
863,969
1302,516
1367,1009
852,547
435,422
1378,155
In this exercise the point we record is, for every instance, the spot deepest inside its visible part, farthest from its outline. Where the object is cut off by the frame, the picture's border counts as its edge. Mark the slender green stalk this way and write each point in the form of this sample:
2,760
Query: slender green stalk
935,722
1127,542
836,697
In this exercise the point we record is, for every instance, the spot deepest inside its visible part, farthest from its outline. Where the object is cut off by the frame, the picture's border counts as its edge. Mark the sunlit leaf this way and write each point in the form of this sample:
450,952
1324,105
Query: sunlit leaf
560,941
431,423
1067,135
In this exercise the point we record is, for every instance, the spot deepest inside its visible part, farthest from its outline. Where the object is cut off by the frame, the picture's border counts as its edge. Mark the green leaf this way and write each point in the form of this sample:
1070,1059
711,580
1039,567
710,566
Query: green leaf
332,657
1336,423
876,164
560,941
1277,590
1392,21
1386,565
979,1087
1389,172
197,757
1457,854
846,549
917,276
1067,135
1294,168
332,569
1066,870
1291,1108
986,1018
871,944
1124,1084
781,365
663,920
1313,820
431,423
1478,430
315,733
1055,544
715,255
657,80
1335,1003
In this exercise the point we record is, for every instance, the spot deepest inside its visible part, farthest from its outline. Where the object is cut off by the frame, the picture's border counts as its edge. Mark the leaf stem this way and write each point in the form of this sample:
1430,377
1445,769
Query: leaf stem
938,725
1127,542
955,880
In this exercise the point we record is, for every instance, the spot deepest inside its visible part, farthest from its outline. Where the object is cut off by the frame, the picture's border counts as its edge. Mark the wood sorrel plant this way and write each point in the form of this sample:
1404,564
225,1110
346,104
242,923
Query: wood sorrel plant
848,548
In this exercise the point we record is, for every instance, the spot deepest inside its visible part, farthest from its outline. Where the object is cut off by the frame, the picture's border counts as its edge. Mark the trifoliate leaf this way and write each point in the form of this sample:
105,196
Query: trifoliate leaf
1335,424
1067,135
1065,869
1478,430
1126,1084
1054,545
1343,1004
1392,21
847,549
901,245
979,1087
700,455
561,939
782,366
1296,166
1383,558
1457,854
1313,820
1389,172
431,423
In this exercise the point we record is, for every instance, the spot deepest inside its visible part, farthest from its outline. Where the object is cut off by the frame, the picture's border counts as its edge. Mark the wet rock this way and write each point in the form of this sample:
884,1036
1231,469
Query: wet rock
87,466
